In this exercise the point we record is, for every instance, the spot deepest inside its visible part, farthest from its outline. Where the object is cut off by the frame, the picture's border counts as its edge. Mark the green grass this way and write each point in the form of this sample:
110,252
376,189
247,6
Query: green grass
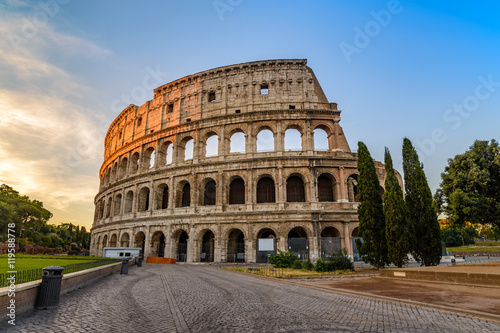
489,246
287,272
31,261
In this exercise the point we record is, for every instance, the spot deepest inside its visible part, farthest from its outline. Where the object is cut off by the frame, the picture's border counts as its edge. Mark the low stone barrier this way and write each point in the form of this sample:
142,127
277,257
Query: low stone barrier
26,294
160,260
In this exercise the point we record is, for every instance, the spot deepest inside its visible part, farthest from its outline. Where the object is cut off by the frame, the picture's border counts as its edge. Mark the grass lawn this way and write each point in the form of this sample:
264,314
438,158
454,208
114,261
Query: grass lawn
287,272
485,247
29,261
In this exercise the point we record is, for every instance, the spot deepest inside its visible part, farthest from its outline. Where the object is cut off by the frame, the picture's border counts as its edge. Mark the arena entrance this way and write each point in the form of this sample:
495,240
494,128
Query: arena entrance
298,243
158,244
236,246
330,242
355,252
139,241
182,245
266,245
207,247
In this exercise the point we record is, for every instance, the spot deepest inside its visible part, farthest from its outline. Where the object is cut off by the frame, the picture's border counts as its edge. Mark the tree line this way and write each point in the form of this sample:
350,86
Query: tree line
33,233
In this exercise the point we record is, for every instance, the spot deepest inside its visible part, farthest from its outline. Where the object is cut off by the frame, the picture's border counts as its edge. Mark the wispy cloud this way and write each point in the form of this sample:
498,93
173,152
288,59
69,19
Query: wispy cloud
50,145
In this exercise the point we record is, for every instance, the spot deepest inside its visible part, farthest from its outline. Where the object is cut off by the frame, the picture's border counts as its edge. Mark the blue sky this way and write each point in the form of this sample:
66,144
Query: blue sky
427,70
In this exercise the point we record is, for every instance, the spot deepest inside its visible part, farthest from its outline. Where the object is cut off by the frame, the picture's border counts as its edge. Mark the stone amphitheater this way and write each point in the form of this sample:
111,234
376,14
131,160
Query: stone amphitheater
230,165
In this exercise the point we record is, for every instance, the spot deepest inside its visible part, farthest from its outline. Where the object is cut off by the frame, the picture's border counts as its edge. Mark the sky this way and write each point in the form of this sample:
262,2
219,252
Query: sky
426,70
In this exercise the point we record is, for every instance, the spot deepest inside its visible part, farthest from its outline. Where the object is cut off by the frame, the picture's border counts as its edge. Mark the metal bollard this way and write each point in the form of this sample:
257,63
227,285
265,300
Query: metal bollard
125,266
50,287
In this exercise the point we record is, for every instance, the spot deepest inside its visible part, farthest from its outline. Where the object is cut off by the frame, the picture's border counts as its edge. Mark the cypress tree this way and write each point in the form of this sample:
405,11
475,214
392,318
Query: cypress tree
370,212
427,246
398,232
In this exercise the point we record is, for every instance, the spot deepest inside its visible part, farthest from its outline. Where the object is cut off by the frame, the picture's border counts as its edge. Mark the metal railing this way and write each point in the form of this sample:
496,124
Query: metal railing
36,273
265,271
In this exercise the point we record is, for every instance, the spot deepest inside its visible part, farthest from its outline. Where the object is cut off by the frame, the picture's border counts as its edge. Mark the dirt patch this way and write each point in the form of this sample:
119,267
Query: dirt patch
482,299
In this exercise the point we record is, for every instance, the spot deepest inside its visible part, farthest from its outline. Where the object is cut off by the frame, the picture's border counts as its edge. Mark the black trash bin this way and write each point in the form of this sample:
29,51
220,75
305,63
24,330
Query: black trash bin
124,266
139,261
50,288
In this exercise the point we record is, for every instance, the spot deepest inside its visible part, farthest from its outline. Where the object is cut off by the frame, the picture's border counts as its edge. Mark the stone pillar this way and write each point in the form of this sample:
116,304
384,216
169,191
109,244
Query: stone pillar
343,186
192,248
347,238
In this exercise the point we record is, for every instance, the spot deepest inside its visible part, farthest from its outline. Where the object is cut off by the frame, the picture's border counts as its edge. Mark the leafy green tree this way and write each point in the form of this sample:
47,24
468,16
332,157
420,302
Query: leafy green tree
427,247
370,212
397,224
470,187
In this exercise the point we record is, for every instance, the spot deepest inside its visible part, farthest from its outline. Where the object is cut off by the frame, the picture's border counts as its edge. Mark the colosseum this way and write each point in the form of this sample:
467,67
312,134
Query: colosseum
230,165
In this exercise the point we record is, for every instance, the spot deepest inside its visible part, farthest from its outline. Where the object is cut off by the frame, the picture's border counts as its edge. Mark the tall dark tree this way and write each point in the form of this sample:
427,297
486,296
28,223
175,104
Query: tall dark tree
470,190
370,212
427,246
397,225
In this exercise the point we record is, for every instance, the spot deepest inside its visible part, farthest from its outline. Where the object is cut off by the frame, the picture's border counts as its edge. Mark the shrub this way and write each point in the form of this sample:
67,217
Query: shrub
339,261
282,259
297,265
320,266
307,265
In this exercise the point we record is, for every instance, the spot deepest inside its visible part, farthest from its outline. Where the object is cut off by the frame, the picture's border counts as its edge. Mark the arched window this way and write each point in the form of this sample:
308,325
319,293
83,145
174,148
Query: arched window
129,198
134,165
169,154
265,141
352,188
186,195
144,199
108,209
164,198
293,140
325,189
118,204
295,189
237,192
189,150
320,140
122,170
237,144
209,194
152,159
265,190
212,146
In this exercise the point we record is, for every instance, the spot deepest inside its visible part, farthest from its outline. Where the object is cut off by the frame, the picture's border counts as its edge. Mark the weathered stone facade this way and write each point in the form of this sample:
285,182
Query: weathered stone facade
230,164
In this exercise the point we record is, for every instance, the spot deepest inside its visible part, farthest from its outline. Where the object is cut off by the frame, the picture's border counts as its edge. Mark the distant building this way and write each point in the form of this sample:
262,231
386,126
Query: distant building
229,165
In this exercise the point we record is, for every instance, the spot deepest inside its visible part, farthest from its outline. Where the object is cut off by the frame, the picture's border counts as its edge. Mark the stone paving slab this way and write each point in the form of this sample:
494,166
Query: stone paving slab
197,298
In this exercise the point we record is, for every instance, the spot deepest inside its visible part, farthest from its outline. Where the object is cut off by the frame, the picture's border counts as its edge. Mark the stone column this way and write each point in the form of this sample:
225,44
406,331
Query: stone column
343,186
347,239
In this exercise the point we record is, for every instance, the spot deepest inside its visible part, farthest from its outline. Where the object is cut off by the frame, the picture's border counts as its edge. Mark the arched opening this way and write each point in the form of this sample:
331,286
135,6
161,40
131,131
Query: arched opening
158,244
139,241
185,196
98,246
182,247
125,240
122,170
112,243
162,196
207,247
118,204
144,199
237,144
325,189
209,194
134,163
266,244
293,140
237,192
330,242
129,198
352,188
298,243
169,154
320,140
265,190
265,141
295,189
355,253
236,246
212,146
152,156
104,241
188,145
109,206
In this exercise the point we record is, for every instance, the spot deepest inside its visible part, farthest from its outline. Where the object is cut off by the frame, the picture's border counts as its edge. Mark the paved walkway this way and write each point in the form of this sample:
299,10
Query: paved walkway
196,298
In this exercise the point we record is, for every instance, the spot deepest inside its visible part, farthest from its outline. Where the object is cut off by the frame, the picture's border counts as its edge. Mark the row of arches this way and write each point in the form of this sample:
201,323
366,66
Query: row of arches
237,193
234,245
265,142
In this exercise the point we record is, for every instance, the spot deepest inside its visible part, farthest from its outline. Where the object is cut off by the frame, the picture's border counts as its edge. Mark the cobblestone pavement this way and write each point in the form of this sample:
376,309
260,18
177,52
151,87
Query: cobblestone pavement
196,298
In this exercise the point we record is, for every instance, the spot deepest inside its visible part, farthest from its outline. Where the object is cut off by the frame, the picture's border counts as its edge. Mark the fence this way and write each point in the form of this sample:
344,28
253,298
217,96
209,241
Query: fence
36,273
265,271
